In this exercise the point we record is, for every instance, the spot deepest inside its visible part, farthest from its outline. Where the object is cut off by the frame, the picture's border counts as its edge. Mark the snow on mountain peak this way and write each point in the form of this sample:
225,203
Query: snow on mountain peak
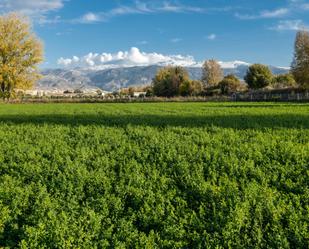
233,64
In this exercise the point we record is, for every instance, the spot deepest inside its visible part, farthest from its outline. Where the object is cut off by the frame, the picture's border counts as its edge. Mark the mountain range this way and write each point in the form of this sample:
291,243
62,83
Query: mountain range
111,79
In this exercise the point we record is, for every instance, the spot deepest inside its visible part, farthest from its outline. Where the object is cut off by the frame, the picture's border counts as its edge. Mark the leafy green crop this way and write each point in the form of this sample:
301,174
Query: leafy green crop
162,175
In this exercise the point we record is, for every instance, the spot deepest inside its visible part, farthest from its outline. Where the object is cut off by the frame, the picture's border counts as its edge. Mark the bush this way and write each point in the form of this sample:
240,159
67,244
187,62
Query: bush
168,80
258,76
190,88
284,81
78,91
67,92
212,91
149,91
229,84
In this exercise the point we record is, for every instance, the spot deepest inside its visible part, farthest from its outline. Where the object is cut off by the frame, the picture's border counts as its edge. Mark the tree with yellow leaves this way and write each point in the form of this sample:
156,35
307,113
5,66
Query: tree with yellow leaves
20,53
212,73
300,64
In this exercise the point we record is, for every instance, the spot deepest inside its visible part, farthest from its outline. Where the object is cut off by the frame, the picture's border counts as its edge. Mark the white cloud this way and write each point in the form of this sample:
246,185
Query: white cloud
265,14
175,40
42,19
233,64
169,7
292,9
139,8
211,37
142,6
31,7
91,18
289,25
135,57
305,6
275,13
143,42
299,4
124,10
64,62
64,33
37,10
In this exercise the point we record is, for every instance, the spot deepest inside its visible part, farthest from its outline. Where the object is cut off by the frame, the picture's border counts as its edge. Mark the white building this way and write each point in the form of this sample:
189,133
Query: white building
139,94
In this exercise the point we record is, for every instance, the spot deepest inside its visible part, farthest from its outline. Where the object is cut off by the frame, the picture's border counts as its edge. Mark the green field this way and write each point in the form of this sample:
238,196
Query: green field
161,175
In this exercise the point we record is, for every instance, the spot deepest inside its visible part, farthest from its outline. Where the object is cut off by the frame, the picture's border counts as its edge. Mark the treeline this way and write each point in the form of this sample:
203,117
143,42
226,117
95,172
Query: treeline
174,81
19,70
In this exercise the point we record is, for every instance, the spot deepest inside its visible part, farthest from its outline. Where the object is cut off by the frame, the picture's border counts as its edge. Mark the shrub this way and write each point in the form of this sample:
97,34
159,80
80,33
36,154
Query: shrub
284,80
78,91
190,88
258,76
168,80
229,84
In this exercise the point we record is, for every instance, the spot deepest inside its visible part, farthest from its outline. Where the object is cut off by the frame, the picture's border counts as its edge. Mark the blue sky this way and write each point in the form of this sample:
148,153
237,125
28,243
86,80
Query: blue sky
77,32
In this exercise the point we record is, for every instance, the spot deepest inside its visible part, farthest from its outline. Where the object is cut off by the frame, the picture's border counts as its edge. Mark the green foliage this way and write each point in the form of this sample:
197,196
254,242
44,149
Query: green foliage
190,88
168,80
229,84
149,91
258,76
161,175
284,80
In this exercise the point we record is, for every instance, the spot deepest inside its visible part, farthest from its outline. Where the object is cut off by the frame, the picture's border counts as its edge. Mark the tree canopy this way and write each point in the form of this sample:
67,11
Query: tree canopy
300,64
20,53
258,76
284,80
229,84
168,80
212,73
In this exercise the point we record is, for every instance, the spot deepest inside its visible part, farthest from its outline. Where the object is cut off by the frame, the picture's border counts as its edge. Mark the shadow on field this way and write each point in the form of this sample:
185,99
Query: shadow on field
226,121
257,105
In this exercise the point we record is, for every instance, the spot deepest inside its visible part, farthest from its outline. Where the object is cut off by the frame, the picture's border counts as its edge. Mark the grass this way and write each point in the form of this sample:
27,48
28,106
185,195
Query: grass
155,175
227,115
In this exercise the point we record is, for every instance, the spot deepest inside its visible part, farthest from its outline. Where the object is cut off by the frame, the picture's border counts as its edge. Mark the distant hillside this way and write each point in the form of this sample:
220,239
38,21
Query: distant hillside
115,78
